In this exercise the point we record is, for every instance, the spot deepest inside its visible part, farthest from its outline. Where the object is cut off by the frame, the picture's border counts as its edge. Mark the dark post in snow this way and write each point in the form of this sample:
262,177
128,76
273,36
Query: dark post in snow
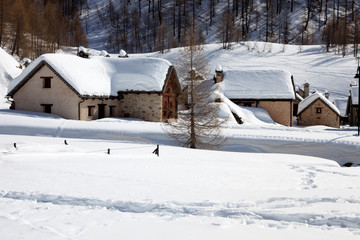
357,75
156,151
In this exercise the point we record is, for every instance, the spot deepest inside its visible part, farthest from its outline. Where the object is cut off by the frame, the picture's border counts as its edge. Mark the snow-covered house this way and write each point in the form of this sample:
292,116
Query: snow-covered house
353,105
271,90
316,109
86,89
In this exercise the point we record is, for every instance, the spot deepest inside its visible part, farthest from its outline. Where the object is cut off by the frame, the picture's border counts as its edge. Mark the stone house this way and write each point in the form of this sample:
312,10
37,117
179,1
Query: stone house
316,109
87,89
353,105
271,90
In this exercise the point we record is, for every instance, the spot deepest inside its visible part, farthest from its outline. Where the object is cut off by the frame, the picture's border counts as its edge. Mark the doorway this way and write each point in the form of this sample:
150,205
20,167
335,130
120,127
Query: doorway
101,110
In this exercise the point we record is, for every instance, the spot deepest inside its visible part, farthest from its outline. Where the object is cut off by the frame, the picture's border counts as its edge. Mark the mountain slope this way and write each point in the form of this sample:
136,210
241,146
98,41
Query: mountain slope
145,26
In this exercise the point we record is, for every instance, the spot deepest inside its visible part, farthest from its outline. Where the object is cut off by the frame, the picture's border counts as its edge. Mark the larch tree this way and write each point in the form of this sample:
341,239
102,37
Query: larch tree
18,20
198,124
226,28
4,5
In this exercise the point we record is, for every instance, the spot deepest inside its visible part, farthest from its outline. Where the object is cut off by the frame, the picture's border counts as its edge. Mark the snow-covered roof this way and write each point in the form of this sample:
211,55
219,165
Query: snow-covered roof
354,92
258,84
312,98
99,76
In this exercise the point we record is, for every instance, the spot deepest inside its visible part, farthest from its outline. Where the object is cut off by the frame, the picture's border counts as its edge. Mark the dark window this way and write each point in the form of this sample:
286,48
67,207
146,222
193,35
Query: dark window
46,108
318,110
47,82
91,111
111,111
247,104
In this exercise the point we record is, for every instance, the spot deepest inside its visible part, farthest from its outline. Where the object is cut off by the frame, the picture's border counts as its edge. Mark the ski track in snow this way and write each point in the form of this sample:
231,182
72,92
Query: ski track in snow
269,211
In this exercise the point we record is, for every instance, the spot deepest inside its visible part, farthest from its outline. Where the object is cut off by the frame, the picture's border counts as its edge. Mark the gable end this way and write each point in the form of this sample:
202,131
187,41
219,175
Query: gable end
308,106
33,72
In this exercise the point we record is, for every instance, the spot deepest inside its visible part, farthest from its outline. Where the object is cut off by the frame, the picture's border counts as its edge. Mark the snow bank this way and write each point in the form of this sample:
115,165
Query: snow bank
9,69
248,115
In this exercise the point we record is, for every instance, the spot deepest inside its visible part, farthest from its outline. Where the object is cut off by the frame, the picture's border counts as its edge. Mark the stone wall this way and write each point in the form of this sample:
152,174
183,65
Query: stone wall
142,105
280,111
310,117
107,103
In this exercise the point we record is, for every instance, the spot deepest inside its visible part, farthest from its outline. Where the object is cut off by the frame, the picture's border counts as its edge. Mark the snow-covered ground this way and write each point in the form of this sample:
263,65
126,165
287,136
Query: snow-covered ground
50,190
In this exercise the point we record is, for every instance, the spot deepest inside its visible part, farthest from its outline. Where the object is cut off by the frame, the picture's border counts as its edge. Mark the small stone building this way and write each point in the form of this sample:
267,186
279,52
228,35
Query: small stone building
271,90
353,105
316,109
87,89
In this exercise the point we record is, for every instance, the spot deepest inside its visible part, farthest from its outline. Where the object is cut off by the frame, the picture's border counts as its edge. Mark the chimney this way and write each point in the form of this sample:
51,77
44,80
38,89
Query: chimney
26,62
306,89
123,54
104,53
327,94
219,74
82,52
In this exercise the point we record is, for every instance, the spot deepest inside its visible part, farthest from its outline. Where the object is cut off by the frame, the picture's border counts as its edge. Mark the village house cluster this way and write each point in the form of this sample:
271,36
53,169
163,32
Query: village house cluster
88,88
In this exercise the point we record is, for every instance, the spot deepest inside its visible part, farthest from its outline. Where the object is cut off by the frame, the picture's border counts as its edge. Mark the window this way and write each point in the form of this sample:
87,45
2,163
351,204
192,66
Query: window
47,82
247,104
91,111
111,111
318,110
46,108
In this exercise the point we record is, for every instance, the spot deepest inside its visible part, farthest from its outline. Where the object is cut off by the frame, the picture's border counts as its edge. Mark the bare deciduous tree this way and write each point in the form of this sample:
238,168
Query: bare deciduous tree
198,124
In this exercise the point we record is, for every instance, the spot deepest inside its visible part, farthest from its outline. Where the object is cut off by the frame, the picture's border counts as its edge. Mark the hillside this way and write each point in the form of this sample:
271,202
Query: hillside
324,71
147,26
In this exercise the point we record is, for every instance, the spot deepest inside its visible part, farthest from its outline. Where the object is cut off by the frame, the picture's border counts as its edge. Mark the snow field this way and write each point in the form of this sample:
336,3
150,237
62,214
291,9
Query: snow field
79,191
